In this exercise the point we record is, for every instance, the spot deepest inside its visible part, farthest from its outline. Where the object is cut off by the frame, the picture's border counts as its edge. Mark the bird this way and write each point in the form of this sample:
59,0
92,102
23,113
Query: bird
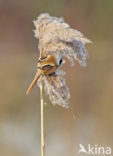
46,66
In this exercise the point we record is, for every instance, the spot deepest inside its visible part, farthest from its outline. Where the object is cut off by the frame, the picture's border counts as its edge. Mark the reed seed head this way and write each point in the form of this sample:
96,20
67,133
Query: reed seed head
57,37
54,86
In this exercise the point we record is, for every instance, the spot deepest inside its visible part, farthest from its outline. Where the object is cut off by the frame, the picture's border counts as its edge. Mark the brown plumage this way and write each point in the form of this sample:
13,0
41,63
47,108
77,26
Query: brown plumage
47,66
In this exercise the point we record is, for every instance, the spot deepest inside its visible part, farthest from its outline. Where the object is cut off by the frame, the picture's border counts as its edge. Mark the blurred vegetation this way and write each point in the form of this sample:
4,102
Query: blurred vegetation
91,88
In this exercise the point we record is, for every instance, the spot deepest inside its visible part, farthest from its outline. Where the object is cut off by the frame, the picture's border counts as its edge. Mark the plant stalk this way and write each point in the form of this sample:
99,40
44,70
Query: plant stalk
42,121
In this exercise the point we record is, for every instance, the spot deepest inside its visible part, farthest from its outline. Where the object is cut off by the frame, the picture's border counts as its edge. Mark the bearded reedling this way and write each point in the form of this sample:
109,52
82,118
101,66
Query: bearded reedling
46,66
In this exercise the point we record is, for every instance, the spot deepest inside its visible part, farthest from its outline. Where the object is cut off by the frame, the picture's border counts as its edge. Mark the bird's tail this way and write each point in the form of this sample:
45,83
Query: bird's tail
33,83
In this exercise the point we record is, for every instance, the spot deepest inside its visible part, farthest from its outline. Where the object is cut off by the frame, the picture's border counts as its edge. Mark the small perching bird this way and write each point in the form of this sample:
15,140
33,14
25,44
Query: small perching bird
57,40
46,66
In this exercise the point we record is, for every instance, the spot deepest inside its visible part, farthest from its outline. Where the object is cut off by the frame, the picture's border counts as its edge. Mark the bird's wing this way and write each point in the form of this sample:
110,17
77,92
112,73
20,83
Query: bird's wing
46,67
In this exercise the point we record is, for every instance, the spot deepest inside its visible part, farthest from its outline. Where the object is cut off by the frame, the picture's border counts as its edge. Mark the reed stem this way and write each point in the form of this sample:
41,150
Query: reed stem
42,121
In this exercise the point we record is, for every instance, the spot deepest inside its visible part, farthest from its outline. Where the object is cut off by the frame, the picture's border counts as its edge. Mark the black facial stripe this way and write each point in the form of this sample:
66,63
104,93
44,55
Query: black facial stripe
60,62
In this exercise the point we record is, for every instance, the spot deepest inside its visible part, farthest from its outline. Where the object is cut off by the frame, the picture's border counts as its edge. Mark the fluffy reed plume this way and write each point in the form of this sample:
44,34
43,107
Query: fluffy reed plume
55,88
57,37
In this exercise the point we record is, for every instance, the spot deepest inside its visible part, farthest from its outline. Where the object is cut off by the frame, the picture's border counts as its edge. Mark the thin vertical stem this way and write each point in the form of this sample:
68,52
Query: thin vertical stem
42,121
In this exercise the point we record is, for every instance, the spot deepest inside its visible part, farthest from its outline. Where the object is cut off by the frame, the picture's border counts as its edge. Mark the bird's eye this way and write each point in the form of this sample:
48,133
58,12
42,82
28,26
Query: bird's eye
60,62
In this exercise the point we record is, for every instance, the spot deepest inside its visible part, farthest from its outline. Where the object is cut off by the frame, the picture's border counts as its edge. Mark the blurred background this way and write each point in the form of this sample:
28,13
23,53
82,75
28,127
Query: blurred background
91,87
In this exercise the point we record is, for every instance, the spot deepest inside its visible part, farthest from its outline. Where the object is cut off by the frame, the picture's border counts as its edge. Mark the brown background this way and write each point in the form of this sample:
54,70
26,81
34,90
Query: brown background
91,87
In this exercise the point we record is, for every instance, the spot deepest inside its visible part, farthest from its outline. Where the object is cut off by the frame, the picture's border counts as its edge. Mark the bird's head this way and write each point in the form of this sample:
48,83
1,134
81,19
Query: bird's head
59,59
